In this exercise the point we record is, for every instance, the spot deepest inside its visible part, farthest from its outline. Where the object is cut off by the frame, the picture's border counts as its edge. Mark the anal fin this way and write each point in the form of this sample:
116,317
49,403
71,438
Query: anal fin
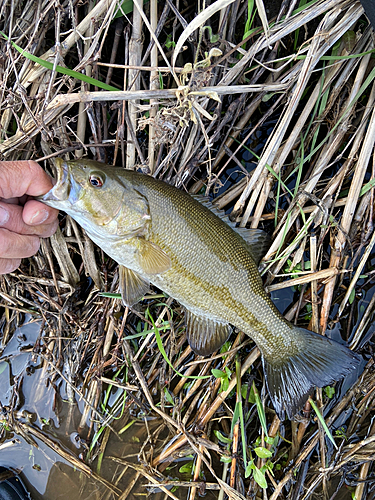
132,286
205,335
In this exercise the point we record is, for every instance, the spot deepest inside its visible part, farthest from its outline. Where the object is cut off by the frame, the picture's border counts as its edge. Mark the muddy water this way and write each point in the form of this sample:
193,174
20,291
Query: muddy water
23,375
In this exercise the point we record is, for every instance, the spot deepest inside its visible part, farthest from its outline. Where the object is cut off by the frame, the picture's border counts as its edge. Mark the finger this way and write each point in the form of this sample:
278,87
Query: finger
12,218
35,212
23,177
9,265
17,246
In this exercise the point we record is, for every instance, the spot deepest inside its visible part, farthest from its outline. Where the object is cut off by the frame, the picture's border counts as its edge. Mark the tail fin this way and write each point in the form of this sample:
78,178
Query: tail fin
320,361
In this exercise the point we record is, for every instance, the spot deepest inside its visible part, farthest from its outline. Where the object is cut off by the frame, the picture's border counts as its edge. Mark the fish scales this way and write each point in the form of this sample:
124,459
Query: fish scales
223,278
161,235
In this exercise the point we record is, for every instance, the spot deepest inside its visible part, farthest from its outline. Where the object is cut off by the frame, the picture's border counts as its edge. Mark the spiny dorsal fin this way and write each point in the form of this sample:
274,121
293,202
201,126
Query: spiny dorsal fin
259,241
152,259
205,335
132,286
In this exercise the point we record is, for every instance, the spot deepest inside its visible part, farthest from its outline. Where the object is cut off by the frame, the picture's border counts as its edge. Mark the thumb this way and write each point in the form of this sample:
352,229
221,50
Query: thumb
18,178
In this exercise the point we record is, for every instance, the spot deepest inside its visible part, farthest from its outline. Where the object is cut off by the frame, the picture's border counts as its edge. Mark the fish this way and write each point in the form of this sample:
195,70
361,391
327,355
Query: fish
183,245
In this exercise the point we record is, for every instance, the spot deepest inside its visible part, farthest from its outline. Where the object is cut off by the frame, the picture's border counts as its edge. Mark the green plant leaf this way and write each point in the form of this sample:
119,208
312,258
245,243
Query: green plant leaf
125,8
330,391
261,412
270,440
186,468
250,467
222,438
367,187
168,396
263,452
218,373
260,478
244,389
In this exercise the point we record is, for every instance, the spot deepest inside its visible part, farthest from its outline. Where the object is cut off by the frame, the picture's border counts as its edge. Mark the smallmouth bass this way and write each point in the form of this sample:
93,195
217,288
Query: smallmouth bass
161,235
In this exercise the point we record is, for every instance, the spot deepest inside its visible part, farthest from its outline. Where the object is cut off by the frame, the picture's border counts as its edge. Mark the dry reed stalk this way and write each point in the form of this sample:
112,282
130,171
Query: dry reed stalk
154,85
134,84
82,117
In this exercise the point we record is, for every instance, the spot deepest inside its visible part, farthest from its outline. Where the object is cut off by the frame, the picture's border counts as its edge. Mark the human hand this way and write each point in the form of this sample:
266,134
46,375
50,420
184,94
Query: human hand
23,221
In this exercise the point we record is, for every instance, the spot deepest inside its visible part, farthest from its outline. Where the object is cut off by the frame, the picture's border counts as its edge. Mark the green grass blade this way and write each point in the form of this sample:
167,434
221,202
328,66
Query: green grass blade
242,421
61,69
322,421
261,412
367,187
164,354
110,295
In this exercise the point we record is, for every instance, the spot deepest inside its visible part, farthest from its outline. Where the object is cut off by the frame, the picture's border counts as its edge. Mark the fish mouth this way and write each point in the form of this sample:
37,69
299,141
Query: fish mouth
61,189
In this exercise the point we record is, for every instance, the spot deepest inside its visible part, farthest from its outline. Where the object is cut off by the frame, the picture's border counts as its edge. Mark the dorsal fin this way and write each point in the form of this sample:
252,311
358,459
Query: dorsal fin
259,241
206,202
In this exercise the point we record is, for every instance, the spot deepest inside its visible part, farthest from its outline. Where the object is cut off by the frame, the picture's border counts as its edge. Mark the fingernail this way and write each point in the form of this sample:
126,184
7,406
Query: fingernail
39,217
4,216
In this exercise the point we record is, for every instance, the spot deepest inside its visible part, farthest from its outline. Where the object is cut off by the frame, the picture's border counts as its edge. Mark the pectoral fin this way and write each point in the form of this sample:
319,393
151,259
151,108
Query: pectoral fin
152,258
132,286
205,335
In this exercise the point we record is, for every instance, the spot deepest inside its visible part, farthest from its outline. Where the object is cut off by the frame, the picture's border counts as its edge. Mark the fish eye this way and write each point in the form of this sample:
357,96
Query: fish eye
97,180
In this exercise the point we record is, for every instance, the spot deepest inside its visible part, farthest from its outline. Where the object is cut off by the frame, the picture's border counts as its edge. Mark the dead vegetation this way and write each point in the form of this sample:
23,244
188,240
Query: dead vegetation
197,94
